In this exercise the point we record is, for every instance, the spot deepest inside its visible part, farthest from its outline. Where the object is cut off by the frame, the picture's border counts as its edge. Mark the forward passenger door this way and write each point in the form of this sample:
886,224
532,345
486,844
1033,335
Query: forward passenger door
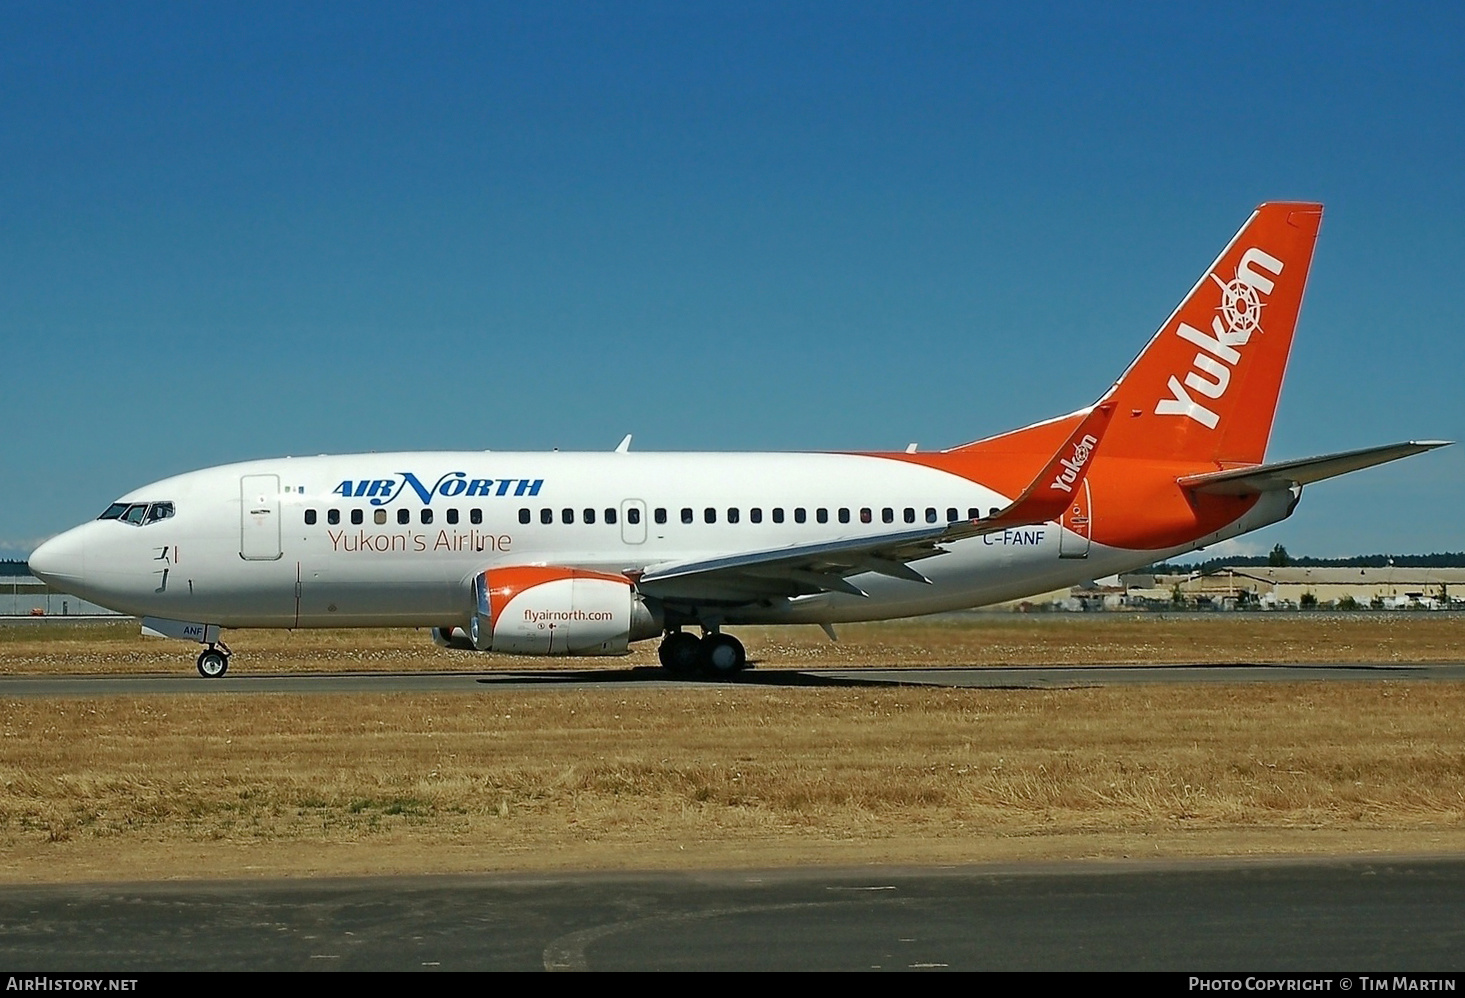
259,517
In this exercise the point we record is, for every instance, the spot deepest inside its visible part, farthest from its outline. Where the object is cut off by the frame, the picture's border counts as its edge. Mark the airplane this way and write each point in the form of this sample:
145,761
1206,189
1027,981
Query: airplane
584,553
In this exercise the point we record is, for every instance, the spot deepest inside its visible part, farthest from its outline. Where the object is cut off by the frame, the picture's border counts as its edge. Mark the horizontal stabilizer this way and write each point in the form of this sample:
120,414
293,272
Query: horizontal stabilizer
1285,474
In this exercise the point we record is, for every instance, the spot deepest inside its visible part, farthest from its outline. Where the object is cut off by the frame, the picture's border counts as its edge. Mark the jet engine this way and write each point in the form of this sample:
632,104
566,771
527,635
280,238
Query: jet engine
534,610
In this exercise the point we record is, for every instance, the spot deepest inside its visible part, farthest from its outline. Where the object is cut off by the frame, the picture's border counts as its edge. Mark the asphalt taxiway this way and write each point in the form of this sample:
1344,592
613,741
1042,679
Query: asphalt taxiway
983,677
1249,916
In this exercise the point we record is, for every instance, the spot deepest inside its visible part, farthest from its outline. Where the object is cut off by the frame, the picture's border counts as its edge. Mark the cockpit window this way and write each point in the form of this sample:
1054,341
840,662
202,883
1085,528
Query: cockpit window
138,513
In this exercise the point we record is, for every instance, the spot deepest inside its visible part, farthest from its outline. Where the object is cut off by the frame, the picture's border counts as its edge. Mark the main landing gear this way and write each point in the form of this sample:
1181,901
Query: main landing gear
720,656
213,661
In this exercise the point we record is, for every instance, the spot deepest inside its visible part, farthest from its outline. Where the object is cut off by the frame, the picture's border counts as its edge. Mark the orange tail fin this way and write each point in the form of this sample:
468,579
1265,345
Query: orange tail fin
1205,388
1202,393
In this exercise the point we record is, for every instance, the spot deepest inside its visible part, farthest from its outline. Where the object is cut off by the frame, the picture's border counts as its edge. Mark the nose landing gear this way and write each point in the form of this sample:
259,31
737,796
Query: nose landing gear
213,661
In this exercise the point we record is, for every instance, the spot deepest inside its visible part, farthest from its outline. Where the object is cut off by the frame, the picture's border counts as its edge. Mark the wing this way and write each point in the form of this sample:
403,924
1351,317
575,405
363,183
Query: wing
827,566
1285,474
794,571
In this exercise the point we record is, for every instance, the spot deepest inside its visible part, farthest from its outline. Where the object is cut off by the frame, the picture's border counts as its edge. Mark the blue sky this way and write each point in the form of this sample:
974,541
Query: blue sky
236,231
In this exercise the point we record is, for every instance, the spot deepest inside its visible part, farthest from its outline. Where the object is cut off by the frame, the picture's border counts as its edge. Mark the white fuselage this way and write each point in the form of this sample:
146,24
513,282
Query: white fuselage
396,539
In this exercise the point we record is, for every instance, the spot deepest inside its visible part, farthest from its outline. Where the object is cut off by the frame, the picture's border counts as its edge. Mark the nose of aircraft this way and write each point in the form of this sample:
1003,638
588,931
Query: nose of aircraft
61,560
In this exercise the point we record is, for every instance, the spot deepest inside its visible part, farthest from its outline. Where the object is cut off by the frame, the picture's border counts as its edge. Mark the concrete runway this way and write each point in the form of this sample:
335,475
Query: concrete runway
986,677
1242,917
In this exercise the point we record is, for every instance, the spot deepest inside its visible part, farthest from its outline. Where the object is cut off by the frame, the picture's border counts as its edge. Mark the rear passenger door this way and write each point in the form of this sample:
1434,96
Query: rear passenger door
1077,524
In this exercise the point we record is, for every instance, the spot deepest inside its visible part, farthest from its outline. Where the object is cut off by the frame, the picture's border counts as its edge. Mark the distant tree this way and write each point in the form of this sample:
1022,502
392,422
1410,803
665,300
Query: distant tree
1308,600
1278,558
1439,559
1177,598
1348,603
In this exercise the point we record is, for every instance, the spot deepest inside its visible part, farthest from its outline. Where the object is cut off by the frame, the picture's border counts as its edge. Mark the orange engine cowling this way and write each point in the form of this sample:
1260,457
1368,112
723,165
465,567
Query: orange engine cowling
534,610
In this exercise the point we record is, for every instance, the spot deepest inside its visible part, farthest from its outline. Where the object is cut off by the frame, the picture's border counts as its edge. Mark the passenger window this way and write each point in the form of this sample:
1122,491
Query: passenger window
993,511
310,517
567,515
426,516
800,515
452,516
732,514
866,516
660,515
357,516
930,514
777,514
843,515
973,513
910,515
380,516
610,514
709,515
633,515
756,514
333,516
821,514
589,516
546,515
951,514
404,516
476,515
686,514
524,515
887,515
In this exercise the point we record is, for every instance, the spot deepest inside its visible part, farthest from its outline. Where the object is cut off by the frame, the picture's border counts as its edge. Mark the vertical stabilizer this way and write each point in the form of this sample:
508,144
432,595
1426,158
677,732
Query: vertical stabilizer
1205,388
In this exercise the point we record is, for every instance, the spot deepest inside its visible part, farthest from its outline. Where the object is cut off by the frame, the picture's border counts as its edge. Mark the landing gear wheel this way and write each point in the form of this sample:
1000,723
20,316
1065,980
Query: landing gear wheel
723,655
680,653
212,663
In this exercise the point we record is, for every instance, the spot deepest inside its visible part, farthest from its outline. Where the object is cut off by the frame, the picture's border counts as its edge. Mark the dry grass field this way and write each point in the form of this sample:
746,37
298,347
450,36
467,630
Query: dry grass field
692,776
